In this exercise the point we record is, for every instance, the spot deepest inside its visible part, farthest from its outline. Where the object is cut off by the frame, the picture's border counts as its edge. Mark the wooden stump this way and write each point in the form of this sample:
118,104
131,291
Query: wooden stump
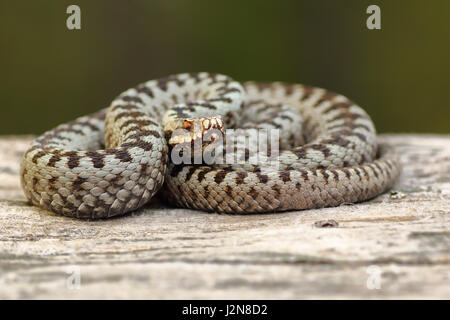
394,246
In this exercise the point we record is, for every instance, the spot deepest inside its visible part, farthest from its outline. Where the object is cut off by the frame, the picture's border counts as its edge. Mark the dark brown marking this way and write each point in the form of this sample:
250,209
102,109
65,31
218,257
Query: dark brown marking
127,107
130,129
180,111
176,170
325,175
289,88
150,133
121,115
241,175
227,100
366,174
147,146
52,161
358,173
195,76
255,169
335,175
229,191
285,176
78,182
299,152
225,90
350,125
101,115
87,124
142,133
374,171
347,173
327,96
304,174
307,91
389,164
164,82
276,125
51,183
97,159
360,136
338,106
277,189
137,113
321,148
139,123
363,159
35,182
286,117
378,166
263,85
202,173
144,89
32,148
346,116
388,173
337,140
76,131
220,176
61,138
119,154
190,173
73,159
263,178
201,104
253,193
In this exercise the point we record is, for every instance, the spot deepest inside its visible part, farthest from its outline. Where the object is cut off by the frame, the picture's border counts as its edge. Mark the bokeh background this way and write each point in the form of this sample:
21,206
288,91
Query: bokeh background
50,75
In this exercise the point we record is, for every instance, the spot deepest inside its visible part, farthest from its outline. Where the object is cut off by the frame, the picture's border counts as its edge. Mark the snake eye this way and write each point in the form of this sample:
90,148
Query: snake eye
187,125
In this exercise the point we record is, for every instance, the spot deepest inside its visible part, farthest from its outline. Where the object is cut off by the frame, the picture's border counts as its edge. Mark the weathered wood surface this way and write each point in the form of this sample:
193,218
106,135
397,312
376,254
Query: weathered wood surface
400,245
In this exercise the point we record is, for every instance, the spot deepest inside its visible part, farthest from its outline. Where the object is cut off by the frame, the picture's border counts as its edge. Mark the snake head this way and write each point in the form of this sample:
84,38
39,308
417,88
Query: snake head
195,134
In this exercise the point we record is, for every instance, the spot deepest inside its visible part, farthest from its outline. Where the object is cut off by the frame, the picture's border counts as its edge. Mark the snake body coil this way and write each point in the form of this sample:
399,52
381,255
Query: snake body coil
114,161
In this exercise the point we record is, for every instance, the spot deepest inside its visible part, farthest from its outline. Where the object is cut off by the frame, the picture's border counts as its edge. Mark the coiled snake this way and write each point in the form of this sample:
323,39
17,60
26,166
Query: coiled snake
114,161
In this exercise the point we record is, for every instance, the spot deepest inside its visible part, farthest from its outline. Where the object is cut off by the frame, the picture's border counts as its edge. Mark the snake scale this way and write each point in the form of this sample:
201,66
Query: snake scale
115,160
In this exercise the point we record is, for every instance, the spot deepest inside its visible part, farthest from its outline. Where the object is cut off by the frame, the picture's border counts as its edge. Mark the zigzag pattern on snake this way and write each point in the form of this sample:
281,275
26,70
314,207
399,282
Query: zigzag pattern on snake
114,161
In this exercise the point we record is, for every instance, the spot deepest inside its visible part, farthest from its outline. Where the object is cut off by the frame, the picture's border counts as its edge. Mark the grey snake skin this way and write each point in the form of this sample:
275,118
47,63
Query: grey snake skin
114,161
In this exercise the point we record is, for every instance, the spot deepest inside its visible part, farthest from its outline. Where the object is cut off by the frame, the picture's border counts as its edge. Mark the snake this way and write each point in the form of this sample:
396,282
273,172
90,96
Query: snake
117,159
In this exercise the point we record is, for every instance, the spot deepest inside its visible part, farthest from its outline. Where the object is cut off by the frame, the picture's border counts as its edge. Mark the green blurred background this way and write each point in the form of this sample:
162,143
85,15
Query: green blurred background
50,75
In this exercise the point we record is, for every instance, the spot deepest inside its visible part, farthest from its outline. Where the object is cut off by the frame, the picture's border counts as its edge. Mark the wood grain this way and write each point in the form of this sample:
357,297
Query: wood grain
165,253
